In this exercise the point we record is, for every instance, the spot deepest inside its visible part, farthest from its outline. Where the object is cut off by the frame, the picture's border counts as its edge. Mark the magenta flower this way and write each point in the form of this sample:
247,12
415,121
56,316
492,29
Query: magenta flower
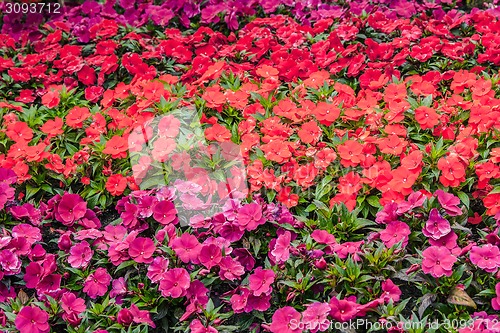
72,304
449,241
33,274
164,212
281,251
394,233
187,248
10,262
390,291
323,237
436,226
260,281
6,194
157,268
315,316
230,269
438,261
32,319
495,302
26,231
70,209
80,255
97,283
416,199
486,257
258,303
250,216
210,255
449,202
285,320
141,316
141,250
343,310
175,283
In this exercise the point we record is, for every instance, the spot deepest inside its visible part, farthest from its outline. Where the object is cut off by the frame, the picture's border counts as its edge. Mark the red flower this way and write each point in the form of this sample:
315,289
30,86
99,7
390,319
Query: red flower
426,117
351,153
116,184
51,99
309,132
53,127
93,93
19,132
76,116
32,319
218,133
116,147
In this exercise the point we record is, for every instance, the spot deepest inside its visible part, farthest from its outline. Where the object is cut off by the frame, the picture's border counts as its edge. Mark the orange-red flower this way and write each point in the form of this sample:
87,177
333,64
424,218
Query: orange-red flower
116,184
76,116
117,147
351,153
426,117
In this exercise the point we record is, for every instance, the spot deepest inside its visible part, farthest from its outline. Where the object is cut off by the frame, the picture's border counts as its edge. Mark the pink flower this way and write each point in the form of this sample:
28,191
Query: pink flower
438,261
210,255
157,268
495,302
164,212
349,248
486,257
33,274
32,319
285,320
449,241
323,237
390,291
97,283
70,209
118,289
72,304
315,316
141,316
31,234
436,226
394,233
281,251
80,255
230,269
259,303
343,310
260,281
197,327
141,250
187,248
250,216
124,317
416,199
449,202
10,262
175,283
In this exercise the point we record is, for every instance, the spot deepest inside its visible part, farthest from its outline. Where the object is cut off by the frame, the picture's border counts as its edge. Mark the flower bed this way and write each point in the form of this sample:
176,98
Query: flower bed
289,170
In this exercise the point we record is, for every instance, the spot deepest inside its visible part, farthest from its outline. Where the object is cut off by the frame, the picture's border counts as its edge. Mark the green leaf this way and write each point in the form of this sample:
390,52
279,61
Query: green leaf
465,199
